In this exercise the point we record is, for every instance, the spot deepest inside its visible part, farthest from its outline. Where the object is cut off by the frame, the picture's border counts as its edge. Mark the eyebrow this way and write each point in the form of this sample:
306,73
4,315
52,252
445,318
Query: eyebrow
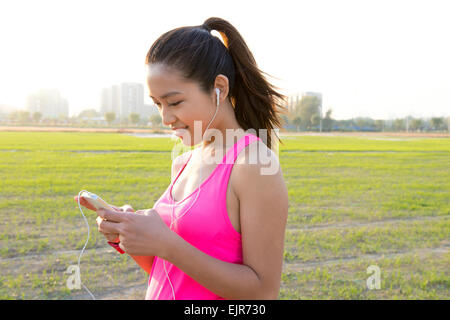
168,94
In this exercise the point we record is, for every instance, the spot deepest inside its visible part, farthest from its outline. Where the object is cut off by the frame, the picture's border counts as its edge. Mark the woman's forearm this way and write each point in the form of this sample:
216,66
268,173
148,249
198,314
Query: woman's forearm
228,280
145,262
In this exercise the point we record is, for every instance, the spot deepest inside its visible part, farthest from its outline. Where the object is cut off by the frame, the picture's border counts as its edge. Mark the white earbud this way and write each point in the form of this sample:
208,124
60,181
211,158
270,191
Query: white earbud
218,95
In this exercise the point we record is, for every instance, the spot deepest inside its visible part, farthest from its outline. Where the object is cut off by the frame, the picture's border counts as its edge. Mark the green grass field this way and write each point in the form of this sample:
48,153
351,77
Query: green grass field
354,202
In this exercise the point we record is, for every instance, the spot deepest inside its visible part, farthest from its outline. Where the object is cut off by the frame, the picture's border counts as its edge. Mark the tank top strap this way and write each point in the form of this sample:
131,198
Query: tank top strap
232,154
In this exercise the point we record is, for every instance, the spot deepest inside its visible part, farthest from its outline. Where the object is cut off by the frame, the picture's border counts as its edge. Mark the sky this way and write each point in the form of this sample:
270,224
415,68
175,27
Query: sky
379,59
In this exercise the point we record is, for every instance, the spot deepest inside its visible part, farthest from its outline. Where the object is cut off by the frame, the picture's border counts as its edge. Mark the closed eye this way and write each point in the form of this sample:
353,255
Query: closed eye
170,105
176,103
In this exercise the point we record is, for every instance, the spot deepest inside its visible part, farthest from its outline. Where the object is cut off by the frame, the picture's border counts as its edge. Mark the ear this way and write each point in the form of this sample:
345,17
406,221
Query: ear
222,84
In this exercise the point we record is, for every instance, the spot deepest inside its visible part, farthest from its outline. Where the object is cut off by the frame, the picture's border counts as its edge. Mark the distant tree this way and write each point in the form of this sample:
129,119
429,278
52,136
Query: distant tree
110,117
63,119
379,125
37,116
24,116
89,113
14,116
437,123
297,121
156,120
363,122
399,124
416,124
285,119
308,106
315,120
134,118
359,122
327,122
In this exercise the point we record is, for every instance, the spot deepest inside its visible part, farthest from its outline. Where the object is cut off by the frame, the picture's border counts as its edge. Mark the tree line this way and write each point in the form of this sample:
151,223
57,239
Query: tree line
304,116
86,117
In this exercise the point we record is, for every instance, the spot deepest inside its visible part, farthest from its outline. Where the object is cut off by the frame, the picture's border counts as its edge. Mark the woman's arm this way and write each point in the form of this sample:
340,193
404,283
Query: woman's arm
263,211
145,262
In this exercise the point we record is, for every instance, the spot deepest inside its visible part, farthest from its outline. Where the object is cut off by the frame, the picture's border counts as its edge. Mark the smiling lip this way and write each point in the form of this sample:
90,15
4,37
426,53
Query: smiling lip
179,131
179,128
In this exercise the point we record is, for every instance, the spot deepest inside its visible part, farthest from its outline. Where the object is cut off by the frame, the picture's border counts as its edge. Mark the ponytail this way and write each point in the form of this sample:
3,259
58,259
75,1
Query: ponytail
201,56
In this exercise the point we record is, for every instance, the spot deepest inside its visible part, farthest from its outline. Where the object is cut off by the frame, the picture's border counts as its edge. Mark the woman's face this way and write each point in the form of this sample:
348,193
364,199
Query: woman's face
180,102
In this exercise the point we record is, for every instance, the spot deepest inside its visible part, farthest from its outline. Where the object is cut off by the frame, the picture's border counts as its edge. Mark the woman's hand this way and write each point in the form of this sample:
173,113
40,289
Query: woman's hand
142,233
114,237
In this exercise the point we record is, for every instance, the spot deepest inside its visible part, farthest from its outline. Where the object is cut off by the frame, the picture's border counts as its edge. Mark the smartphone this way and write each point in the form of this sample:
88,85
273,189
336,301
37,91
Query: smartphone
96,201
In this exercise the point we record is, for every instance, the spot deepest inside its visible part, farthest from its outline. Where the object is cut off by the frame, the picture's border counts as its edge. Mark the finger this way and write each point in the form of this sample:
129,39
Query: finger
127,208
112,237
112,215
85,203
106,227
145,212
116,208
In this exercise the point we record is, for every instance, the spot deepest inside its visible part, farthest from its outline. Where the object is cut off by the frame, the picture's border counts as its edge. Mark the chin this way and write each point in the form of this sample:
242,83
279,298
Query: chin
189,140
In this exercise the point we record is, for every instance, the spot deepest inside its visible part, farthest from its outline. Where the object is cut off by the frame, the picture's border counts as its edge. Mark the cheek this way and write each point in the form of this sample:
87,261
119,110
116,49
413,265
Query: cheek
194,110
188,115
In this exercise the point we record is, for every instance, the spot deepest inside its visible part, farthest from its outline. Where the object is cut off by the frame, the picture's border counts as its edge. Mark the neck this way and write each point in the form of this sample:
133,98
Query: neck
226,120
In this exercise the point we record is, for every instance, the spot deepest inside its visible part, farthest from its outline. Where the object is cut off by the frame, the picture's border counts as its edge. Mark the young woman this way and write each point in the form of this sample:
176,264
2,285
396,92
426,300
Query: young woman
217,232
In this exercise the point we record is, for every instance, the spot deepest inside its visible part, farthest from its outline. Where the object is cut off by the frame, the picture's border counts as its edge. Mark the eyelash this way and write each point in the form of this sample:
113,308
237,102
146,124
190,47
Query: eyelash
170,105
176,103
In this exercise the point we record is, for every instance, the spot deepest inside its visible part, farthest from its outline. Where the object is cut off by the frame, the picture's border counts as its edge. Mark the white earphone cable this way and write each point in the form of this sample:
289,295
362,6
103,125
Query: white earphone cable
85,244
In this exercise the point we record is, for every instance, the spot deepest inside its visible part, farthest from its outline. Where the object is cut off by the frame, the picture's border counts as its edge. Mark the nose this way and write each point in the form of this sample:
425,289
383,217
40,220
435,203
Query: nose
167,117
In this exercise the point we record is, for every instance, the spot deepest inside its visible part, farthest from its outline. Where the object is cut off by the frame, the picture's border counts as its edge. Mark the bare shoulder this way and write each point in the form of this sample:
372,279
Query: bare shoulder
257,157
258,171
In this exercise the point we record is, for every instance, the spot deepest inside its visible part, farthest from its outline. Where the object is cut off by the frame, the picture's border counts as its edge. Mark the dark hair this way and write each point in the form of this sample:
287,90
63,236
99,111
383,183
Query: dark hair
201,56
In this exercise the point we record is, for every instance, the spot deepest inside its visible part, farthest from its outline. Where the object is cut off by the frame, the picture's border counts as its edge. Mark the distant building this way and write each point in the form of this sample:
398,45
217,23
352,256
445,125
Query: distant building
125,99
110,100
49,103
292,102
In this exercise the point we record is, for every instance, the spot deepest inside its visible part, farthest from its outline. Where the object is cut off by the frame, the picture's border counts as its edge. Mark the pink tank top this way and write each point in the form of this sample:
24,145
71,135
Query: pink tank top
205,225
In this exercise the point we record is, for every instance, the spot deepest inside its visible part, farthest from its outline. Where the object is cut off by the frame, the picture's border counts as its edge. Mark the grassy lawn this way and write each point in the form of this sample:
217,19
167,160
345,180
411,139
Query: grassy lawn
354,202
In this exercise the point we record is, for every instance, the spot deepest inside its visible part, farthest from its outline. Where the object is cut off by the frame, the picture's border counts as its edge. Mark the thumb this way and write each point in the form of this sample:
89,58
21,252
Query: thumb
127,208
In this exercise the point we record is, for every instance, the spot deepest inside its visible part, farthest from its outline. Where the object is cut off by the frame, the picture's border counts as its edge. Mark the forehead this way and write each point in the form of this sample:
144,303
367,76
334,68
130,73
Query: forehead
162,79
